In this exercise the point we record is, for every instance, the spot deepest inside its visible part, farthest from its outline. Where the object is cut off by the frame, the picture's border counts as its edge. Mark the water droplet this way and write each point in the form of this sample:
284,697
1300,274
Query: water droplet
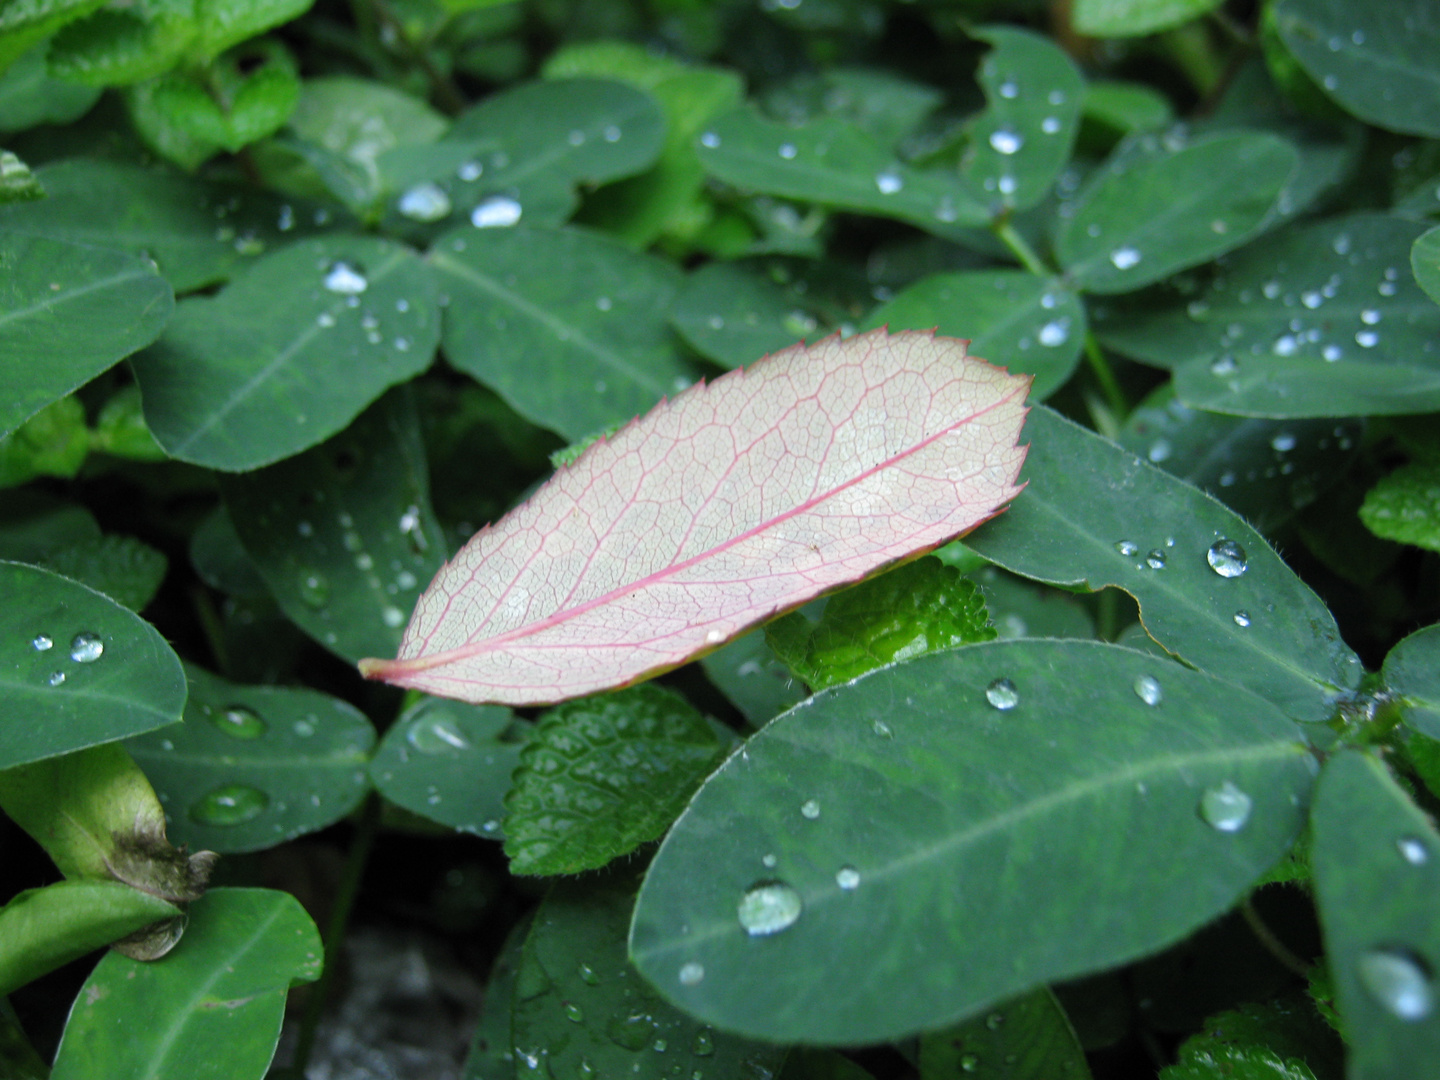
56,678
769,861
710,140
769,907
239,722
86,648
1006,140
1367,339
1008,89
345,278
314,588
1159,450
1413,850
1332,353
285,221
496,212
436,735
1124,258
1002,694
470,171
1156,559
810,809
576,138
660,1046
847,877
1055,332
1225,807
233,804
604,303
1283,443
969,1062
1398,980
1227,558
788,151
882,729
1147,689
392,616
1127,548
41,643
1050,125
1223,365
799,323
574,1013
424,202
304,728
1242,618
889,183
588,975
611,133
994,1021
691,974
704,1044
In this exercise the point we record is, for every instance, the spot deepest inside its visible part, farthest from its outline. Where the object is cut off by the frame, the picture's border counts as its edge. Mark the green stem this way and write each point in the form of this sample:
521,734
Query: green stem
447,94
1020,248
1107,615
1114,396
1272,944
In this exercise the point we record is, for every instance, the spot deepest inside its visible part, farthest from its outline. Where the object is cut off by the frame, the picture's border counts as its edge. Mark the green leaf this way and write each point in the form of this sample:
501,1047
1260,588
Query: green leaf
1405,506
26,23
835,163
212,1008
884,104
33,524
1412,673
115,47
220,559
1023,138
1376,860
126,569
1154,210
916,608
80,669
253,766
451,762
566,325
1021,608
1024,1038
120,428
1425,262
344,534
1376,60
29,97
41,929
53,442
68,312
1061,835
578,1000
753,678
1022,322
603,775
1125,108
224,23
1246,618
1280,1039
1131,18
492,1051
345,318
17,182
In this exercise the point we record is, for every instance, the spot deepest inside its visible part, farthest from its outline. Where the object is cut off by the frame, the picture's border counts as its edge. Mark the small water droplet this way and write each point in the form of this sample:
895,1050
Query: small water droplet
1054,333
1002,694
1283,443
424,202
1225,807
710,140
882,729
1147,689
769,907
994,1021
704,1044
233,804
392,616
436,735
574,1013
496,212
41,643
1332,353
1159,451
769,861
788,151
1367,339
1156,559
303,728
1128,548
1006,140
691,973
1223,365
1008,89
1413,850
1124,258
611,133
86,648
847,877
345,278
314,588
56,678
1242,618
239,722
1398,980
810,809
889,183
588,975
1050,125
285,220
799,323
969,1062
1227,558
470,171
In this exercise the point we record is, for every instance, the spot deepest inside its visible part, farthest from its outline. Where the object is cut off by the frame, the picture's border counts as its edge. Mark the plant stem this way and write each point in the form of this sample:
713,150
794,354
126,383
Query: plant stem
447,94
1114,396
1020,248
1273,945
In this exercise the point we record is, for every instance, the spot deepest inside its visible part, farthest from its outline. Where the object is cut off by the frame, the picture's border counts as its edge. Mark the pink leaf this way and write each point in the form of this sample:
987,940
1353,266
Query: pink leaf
717,510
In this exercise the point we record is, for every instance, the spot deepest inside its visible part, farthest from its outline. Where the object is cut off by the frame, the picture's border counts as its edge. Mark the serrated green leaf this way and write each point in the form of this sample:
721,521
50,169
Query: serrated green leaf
1425,262
1376,859
29,97
346,318
125,681
1405,506
1131,18
1281,1039
25,23
603,775
17,182
1412,672
120,428
1072,812
753,678
53,442
1027,1037
124,568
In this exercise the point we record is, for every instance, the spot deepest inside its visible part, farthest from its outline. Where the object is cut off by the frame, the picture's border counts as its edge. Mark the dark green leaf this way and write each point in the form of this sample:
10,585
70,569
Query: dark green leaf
1033,842
749,674
492,1052
886,105
736,312
30,97
33,524
1124,108
126,569
1412,672
1021,608
1023,1039
1405,506
1425,262
219,557
1280,1039
1130,18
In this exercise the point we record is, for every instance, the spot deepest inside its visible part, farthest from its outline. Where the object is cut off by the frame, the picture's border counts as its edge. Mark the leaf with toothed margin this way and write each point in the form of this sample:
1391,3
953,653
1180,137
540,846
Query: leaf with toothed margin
727,505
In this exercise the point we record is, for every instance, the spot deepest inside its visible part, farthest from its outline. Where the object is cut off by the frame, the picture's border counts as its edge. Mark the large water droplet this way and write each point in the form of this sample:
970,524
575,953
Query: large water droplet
1225,807
496,212
424,202
1124,258
1147,689
810,809
86,648
436,735
392,616
847,877
691,973
1242,618
1156,559
314,588
1398,980
41,643
239,722
345,278
1128,548
1413,850
1002,694
1227,558
1006,140
889,183
769,907
233,804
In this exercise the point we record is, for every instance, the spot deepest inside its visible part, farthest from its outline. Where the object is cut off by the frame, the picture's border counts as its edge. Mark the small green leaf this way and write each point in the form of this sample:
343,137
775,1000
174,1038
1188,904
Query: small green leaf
603,775
224,23
1425,262
1131,18
212,1008
53,442
753,678
120,428
116,47
17,182
1125,108
345,318
79,669
1412,673
1027,1037
29,97
124,568
1405,506
1280,1039
1376,860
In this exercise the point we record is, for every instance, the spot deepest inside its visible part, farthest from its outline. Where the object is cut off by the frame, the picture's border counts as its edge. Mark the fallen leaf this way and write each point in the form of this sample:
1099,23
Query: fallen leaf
719,509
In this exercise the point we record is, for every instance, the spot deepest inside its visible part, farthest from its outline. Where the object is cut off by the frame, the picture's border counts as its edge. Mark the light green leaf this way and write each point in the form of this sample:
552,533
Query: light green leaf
1376,860
1405,506
79,669
1055,832
17,182
1280,1039
1425,262
26,23
120,428
1412,672
345,318
223,23
1236,611
29,97
212,1008
68,312
115,46
1130,18
1024,1038
568,326
53,442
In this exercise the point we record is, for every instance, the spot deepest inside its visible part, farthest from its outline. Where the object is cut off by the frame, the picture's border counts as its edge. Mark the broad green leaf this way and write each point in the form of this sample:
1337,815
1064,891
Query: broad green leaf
53,442
79,669
1280,1039
1152,212
835,163
17,182
1025,809
29,97
1126,108
492,1051
343,534
41,929
1209,587
1024,1038
1021,141
1021,608
196,233
220,559
603,775
254,766
740,499
1131,18
1405,506
1026,324
124,568
1425,262
578,1000
753,678
916,608
568,326
1412,671
68,312
1380,61
212,1008
451,763
345,318
1376,859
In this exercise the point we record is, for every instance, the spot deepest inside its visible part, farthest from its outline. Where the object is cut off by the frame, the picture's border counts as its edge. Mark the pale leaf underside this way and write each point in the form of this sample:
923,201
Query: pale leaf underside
717,510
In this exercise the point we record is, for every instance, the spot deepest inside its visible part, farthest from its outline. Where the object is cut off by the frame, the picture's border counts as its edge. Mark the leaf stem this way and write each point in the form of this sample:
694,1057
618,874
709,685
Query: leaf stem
1272,944
1114,396
1020,248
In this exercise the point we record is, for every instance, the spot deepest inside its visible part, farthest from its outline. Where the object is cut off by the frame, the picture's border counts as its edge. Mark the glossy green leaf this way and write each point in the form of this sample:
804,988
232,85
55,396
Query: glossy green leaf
568,326
451,762
212,1008
1376,859
343,534
1130,18
30,97
1029,1037
1054,832
1246,618
1021,141
1024,323
126,569
118,46
253,766
1405,506
41,929
345,318
578,1000
1425,262
1280,1039
1377,60
916,608
603,775
492,1052
53,442
79,669
1412,672
753,678
1152,212
835,163
68,312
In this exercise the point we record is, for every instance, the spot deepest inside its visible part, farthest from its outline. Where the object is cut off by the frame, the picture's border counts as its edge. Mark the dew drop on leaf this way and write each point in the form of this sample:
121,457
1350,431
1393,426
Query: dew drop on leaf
788,151
424,202
436,735
1242,618
392,616
1398,980
710,140
86,648
239,722
233,804
704,1044
1002,694
1283,443
1413,850
969,1063
810,809
882,729
769,907
1006,140
588,975
574,1013
847,877
1124,258
314,588
1227,558
345,278
1054,333
41,643
1050,125
496,212
691,973
1147,689
889,183
1225,807
1128,548
56,678
1156,559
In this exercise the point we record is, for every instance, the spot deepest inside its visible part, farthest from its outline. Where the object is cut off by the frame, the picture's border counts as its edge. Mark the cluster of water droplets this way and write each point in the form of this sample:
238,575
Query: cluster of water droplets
85,648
